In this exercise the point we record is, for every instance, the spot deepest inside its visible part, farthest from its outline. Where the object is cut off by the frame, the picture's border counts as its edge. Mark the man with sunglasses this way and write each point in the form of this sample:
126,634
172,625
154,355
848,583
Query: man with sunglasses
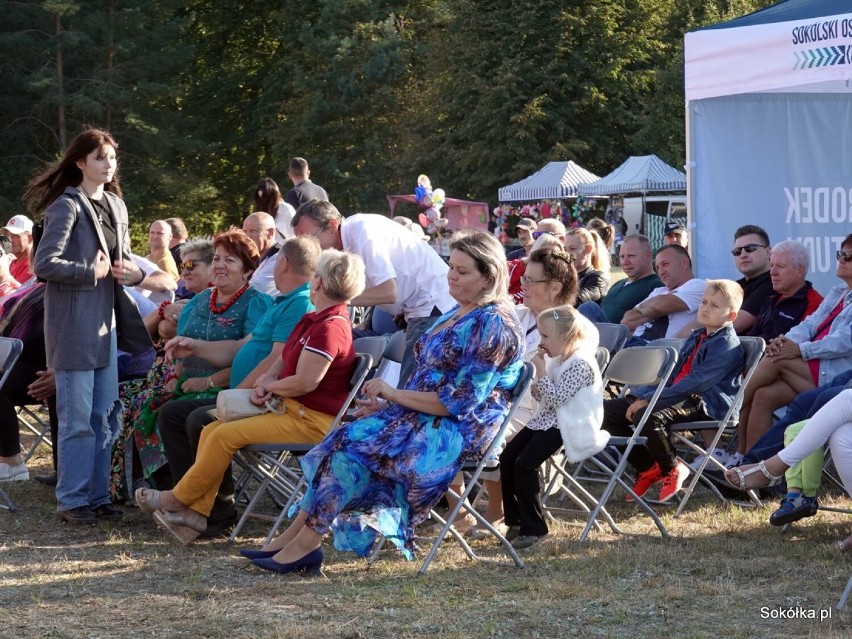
751,257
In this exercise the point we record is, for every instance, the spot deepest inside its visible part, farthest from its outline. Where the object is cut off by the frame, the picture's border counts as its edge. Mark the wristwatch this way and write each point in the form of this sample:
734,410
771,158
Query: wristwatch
210,383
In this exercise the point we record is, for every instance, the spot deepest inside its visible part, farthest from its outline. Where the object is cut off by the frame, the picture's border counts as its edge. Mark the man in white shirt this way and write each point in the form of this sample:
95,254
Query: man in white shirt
670,307
158,286
405,276
260,227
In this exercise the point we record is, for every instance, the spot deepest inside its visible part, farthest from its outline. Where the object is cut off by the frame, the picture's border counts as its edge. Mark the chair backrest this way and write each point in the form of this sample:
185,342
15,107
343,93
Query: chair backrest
612,336
10,351
363,364
395,348
524,380
390,362
373,345
675,342
602,357
641,365
753,347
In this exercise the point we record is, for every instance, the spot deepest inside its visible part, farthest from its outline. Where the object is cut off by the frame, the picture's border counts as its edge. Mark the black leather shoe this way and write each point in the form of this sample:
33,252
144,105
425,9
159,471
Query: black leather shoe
108,512
79,515
219,527
47,480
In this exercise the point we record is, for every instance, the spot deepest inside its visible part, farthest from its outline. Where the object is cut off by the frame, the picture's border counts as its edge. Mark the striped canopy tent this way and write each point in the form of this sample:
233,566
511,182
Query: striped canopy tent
555,180
639,174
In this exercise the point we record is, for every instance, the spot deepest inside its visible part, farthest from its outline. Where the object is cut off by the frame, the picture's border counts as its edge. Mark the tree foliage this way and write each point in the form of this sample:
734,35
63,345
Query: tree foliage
207,96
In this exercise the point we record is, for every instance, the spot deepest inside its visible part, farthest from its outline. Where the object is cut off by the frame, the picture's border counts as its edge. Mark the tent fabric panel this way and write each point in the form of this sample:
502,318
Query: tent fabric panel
786,11
553,181
781,161
638,174
770,57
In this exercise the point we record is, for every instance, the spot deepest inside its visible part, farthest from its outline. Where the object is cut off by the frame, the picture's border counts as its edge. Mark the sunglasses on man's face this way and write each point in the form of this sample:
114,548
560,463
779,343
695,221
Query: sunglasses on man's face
748,248
189,265
844,256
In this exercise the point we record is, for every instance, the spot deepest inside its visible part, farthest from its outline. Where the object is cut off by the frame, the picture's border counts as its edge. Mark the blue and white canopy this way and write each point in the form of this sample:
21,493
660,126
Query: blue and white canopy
769,132
638,174
555,180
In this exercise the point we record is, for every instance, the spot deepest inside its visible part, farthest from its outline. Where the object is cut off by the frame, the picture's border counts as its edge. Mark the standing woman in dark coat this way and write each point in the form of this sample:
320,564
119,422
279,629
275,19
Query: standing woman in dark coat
84,255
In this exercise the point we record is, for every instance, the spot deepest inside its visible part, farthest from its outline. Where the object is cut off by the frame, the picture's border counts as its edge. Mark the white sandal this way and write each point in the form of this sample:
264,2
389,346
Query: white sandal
774,480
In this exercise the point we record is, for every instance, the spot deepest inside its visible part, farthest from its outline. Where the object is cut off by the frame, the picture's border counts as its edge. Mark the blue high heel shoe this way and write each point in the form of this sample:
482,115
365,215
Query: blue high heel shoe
310,564
251,554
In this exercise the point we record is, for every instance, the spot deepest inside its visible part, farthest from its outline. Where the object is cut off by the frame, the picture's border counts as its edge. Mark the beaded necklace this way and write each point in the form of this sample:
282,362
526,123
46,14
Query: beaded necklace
218,310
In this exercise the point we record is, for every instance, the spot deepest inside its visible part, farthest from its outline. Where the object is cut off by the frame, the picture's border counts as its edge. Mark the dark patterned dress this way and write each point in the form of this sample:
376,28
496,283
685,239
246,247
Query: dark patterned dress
385,472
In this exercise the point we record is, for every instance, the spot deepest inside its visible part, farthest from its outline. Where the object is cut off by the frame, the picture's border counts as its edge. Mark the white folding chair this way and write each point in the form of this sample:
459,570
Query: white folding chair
612,336
631,367
275,465
487,461
753,347
10,351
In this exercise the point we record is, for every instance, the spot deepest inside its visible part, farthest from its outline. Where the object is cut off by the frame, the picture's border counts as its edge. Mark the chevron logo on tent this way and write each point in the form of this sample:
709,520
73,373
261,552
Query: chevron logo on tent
821,57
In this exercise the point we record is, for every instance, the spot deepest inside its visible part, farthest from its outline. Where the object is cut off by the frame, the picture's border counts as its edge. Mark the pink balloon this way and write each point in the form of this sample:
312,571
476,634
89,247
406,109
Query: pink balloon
424,221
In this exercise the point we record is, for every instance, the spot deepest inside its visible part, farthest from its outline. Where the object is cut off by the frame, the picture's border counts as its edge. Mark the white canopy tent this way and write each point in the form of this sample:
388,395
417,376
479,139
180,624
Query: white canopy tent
553,181
769,132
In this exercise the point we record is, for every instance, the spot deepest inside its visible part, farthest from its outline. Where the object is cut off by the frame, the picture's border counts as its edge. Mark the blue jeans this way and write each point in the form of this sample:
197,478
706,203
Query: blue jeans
88,408
593,312
415,328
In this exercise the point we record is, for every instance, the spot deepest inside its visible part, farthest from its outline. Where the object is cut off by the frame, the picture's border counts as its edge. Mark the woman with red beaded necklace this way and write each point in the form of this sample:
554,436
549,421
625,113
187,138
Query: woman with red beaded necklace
228,310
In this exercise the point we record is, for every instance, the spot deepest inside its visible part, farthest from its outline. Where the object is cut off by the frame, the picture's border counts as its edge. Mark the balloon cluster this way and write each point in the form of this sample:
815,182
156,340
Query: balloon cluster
430,203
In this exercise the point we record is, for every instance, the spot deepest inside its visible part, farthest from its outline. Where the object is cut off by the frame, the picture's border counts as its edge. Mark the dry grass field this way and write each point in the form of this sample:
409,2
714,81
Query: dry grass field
725,573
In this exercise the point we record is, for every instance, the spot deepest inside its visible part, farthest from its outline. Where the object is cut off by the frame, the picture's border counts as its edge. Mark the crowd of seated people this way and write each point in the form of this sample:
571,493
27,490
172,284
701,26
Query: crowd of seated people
465,342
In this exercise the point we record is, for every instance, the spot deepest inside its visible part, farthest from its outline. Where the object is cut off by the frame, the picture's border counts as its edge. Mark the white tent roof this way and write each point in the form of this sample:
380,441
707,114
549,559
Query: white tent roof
797,45
638,174
555,180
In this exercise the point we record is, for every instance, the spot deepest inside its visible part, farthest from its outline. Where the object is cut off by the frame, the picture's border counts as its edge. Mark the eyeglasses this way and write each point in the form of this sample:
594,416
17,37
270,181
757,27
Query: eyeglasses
538,234
319,230
189,265
844,256
526,279
748,248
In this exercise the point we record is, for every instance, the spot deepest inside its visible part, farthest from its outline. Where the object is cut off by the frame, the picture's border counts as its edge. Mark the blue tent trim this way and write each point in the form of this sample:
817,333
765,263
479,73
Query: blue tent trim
638,174
786,11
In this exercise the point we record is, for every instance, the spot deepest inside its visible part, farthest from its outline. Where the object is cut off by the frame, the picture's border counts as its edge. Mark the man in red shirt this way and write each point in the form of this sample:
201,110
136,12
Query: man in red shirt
19,230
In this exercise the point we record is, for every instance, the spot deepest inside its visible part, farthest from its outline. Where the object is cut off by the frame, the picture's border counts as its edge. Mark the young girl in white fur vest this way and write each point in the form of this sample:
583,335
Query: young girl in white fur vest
570,399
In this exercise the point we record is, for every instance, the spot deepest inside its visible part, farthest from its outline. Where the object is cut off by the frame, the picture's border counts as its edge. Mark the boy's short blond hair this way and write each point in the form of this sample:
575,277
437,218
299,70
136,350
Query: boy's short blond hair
730,290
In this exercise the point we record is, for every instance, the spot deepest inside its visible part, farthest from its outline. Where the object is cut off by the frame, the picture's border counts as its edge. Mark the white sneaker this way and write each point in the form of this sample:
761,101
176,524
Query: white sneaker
719,454
14,473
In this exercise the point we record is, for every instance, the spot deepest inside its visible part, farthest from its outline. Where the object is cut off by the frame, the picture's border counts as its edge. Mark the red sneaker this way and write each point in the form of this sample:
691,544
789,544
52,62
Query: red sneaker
673,481
645,480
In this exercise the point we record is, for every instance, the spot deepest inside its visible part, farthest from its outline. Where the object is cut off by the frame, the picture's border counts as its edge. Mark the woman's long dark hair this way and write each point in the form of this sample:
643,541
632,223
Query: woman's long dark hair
49,185
267,196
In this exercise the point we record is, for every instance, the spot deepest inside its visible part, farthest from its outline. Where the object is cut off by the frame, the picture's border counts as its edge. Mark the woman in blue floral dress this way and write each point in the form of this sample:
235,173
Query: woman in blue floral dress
384,472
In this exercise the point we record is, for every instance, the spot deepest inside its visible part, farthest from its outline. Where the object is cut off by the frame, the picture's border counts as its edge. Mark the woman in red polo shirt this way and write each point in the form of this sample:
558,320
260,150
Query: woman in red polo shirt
313,378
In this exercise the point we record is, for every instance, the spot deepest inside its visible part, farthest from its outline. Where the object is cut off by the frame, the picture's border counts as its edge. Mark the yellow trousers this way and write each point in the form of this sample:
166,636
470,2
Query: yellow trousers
221,440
